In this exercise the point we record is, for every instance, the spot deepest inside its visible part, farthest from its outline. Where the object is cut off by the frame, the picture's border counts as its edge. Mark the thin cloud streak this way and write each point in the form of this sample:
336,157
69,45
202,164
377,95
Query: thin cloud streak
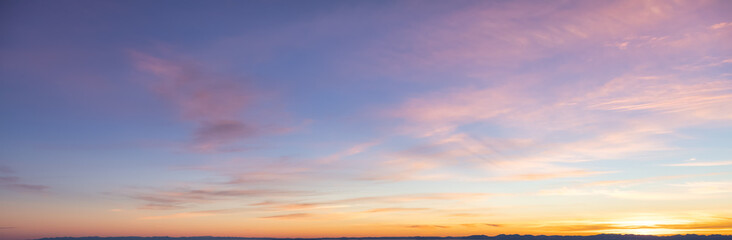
14,183
700,164
220,105
183,198
544,176
191,214
289,216
387,210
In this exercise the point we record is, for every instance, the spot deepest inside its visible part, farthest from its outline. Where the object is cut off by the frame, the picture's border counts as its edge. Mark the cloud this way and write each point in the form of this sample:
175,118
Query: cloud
290,204
427,226
183,198
721,25
666,226
718,225
280,206
289,216
353,150
383,210
554,98
706,187
418,197
191,214
468,40
446,226
700,164
220,105
474,225
590,227
695,100
636,189
542,122
465,215
7,181
462,106
638,181
544,176
624,116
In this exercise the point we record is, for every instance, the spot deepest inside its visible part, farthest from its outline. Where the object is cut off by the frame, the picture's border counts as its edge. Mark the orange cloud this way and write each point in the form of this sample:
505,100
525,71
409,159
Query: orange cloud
427,226
8,181
720,225
380,210
289,216
191,214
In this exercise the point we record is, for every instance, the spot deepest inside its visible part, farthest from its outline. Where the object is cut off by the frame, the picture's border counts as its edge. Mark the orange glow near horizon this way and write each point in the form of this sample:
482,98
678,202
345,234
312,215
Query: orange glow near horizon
365,118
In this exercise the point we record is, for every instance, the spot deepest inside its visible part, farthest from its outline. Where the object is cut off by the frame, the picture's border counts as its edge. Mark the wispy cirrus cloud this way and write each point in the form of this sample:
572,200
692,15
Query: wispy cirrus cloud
549,101
11,182
638,181
468,40
448,226
551,175
699,99
700,164
637,189
654,106
289,216
386,210
375,206
706,187
184,198
420,197
192,214
220,105
474,225
427,226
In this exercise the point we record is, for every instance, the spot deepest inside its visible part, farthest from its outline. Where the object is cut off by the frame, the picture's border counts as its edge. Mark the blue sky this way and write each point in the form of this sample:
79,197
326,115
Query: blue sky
332,118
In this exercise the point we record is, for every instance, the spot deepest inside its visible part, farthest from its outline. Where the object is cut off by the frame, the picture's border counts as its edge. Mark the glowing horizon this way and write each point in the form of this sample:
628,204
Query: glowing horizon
365,118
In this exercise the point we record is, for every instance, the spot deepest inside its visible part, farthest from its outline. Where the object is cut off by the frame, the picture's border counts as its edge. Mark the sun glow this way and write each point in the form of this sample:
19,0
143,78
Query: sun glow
646,226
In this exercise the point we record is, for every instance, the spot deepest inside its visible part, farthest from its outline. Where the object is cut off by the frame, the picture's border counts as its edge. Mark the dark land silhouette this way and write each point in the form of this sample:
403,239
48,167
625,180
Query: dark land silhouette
474,237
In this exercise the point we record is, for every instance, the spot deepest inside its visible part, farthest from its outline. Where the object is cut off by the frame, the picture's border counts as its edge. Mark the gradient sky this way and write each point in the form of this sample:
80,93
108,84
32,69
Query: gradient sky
365,118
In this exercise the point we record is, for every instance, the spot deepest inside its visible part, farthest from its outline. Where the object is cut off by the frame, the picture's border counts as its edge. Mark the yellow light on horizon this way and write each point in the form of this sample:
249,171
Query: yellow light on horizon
646,226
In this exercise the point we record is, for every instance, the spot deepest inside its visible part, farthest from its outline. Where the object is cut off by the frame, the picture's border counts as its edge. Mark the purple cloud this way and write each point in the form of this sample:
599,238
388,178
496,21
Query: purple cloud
220,105
14,183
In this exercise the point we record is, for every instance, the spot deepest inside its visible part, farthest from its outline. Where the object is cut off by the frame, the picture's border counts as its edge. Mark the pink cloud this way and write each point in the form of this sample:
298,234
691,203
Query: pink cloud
489,41
701,164
191,214
8,181
428,226
13,183
700,99
550,175
289,216
220,105
462,105
617,116
185,198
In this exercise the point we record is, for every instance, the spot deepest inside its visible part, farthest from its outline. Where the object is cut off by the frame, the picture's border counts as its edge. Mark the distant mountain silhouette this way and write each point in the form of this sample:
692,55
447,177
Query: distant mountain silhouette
474,237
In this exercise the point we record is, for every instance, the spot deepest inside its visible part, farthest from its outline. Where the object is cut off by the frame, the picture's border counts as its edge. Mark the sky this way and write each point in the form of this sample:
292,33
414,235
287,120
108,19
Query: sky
364,118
